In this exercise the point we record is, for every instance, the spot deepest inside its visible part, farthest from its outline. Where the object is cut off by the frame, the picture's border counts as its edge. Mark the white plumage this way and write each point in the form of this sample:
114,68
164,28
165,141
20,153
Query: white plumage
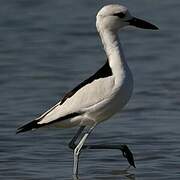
98,100
104,93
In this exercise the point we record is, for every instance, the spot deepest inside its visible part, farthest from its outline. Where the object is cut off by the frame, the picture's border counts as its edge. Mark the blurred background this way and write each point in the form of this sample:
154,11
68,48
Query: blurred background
48,47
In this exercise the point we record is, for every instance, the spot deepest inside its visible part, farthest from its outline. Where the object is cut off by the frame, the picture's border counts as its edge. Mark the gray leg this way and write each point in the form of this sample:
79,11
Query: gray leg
72,144
124,148
78,148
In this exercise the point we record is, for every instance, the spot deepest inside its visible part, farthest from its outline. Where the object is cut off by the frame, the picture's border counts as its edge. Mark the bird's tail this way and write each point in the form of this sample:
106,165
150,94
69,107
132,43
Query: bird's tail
29,126
35,125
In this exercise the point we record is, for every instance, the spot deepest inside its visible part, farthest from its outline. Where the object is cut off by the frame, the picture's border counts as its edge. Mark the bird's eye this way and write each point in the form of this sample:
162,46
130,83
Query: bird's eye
120,15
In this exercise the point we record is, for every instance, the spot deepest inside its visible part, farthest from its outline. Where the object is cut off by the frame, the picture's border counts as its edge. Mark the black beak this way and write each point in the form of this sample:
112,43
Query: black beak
142,24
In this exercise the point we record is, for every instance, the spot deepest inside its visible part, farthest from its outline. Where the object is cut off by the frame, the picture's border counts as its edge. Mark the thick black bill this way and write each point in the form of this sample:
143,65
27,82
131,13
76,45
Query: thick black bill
142,24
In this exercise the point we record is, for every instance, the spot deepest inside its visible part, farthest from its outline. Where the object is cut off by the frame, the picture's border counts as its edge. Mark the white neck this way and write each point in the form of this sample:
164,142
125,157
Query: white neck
114,52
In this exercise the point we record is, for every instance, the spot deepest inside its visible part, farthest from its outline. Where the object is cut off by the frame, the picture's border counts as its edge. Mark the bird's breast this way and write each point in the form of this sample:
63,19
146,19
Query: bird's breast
125,87
121,94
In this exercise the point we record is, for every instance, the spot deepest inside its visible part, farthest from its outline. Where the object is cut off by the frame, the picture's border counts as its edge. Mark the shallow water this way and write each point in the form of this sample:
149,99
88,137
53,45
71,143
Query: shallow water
46,48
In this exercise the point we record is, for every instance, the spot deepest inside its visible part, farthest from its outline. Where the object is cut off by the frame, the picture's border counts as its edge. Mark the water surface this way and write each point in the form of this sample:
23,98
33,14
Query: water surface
48,47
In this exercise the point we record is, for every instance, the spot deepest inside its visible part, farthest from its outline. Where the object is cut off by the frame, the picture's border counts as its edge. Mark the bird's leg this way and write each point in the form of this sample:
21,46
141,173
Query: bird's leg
72,144
124,148
78,148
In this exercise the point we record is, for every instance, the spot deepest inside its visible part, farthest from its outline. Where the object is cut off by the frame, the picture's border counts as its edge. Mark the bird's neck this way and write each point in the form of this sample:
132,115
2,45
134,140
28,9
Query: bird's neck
113,51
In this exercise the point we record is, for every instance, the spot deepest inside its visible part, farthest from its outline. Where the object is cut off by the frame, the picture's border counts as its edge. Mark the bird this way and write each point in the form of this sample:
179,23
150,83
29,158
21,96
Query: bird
103,94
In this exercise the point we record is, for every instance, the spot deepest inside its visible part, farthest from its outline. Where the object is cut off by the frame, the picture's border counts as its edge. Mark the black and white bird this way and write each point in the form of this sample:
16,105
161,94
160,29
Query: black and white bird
103,94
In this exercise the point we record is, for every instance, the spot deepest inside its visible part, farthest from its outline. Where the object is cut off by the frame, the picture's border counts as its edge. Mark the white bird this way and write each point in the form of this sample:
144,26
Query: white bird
103,94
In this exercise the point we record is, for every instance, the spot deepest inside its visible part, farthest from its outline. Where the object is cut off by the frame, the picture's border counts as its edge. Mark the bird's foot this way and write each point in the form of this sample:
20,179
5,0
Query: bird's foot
127,154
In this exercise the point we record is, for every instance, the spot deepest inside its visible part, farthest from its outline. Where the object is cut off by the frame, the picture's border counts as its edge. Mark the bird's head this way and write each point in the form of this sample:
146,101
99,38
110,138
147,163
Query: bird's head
115,16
